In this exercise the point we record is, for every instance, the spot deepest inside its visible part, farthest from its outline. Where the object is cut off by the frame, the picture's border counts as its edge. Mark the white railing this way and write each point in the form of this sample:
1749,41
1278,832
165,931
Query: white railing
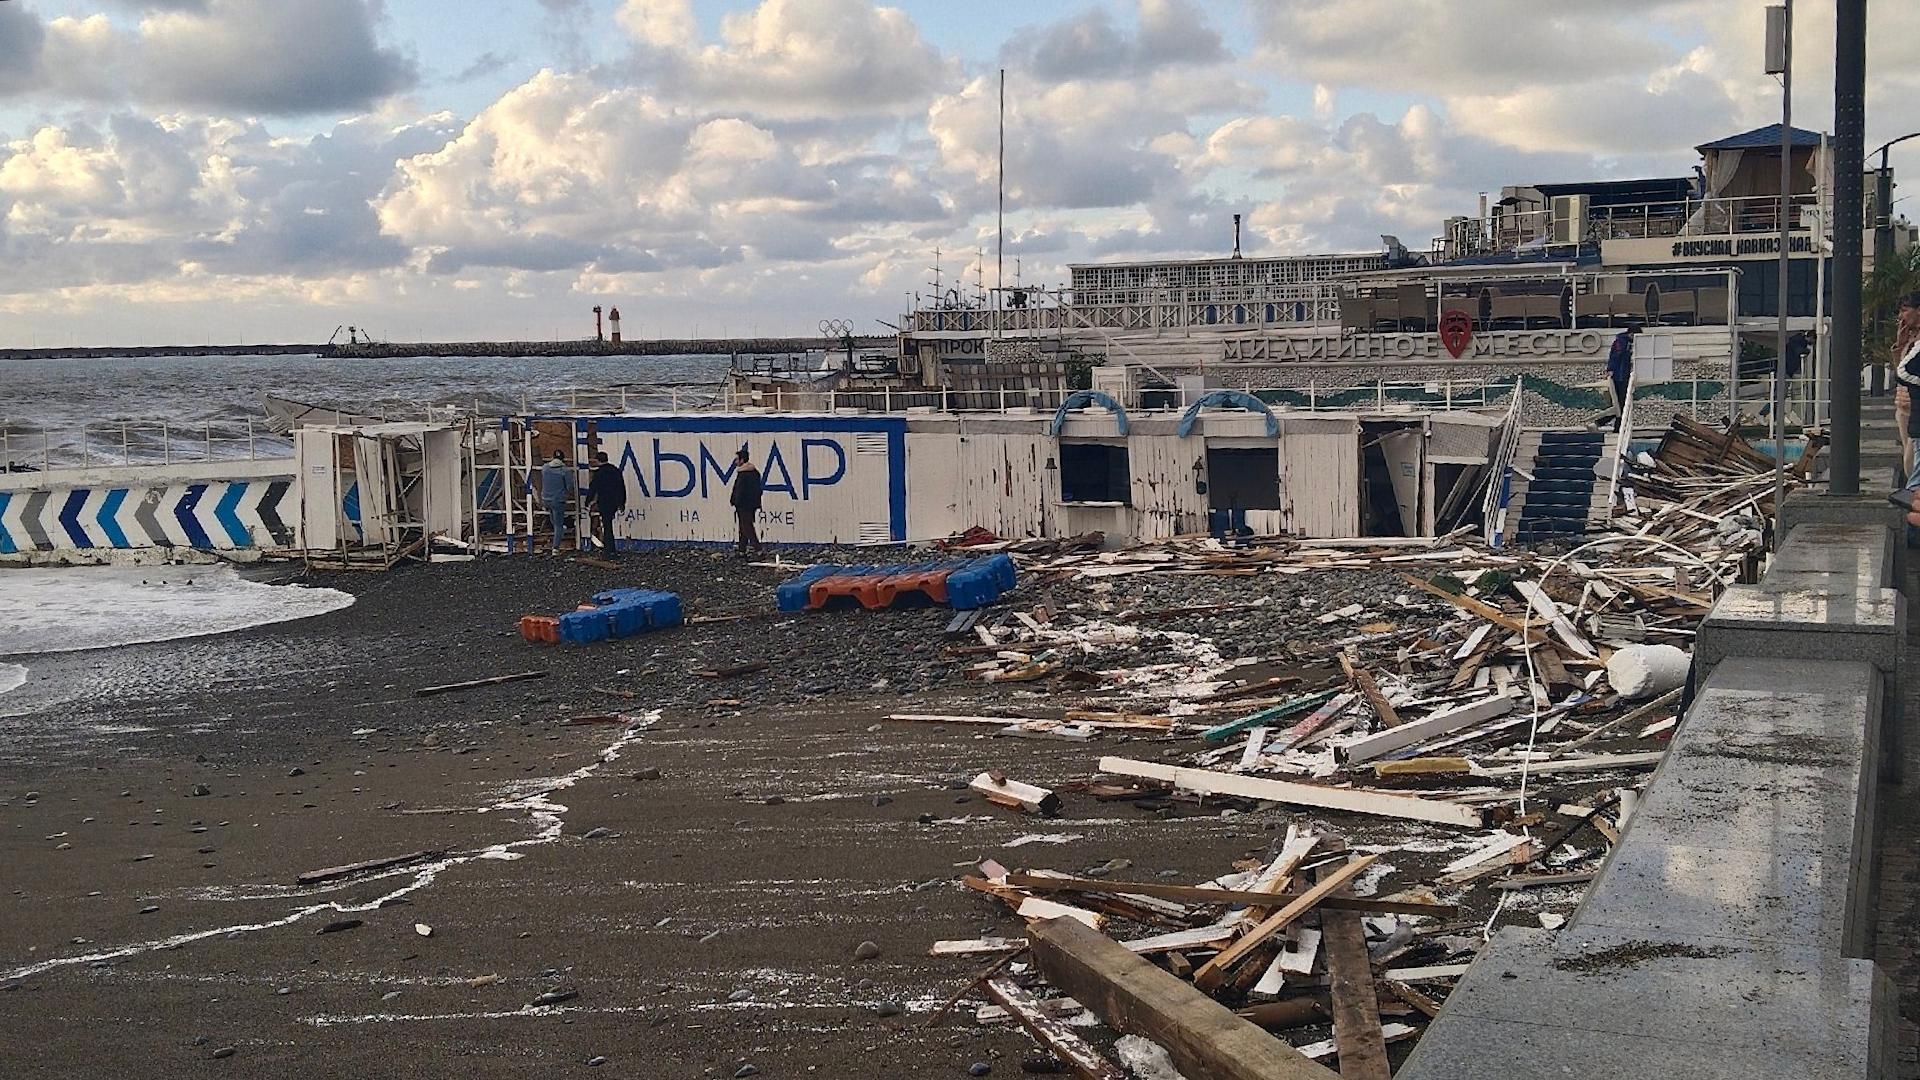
135,442
1623,443
669,397
1493,508
1380,395
1669,218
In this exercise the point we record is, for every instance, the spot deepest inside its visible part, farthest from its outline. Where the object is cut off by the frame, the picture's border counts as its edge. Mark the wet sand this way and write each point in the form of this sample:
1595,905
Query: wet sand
776,837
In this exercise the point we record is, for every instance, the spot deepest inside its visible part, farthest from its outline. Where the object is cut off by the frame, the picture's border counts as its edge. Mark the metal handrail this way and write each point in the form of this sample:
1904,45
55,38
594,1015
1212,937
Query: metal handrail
1499,487
112,443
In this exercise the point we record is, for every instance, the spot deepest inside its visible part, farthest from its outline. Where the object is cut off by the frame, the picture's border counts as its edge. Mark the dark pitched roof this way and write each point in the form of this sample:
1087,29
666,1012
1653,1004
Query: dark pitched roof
1761,138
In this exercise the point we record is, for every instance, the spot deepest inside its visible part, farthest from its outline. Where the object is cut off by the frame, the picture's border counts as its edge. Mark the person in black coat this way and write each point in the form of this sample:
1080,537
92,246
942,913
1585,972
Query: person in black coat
606,496
746,502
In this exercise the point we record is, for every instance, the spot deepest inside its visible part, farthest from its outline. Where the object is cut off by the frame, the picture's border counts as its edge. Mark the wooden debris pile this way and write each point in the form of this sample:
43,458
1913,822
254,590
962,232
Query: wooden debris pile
1283,945
1703,488
1473,701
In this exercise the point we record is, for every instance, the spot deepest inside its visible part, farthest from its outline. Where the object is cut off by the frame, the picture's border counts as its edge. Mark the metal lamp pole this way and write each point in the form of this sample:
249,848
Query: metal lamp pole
1780,61
1849,130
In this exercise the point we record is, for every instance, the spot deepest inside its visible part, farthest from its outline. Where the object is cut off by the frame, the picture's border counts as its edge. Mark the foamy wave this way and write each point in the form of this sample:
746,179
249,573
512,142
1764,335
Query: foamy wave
95,607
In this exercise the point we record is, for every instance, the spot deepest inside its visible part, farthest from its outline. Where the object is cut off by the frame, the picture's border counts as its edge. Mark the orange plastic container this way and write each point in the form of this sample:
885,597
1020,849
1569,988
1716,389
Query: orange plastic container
540,629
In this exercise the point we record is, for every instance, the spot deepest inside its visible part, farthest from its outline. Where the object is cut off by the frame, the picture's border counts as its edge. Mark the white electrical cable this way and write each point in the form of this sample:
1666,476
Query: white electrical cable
1526,625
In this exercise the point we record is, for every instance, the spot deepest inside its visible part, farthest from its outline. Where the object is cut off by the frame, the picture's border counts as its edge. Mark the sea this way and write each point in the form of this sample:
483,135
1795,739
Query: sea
108,408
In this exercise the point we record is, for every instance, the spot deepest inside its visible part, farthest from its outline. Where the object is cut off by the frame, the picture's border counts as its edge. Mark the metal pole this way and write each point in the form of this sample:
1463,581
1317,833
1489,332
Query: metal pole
1849,127
1786,253
1000,243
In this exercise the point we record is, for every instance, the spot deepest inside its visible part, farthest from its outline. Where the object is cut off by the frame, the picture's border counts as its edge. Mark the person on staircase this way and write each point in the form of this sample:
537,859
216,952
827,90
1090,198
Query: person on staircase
1620,372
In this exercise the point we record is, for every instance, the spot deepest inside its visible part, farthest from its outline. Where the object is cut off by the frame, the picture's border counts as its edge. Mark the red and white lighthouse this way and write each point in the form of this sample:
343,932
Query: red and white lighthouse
613,325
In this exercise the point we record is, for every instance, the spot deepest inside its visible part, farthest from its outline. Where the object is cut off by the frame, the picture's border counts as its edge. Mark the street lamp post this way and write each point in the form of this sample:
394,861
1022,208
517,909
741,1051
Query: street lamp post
1849,129
1780,62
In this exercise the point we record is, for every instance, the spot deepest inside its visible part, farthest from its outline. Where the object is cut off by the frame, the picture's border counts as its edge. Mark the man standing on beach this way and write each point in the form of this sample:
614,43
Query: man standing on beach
746,501
556,485
606,496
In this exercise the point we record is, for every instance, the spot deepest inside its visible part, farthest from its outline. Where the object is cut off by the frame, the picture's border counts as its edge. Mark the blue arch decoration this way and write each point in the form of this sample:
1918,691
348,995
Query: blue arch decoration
1087,397
1228,397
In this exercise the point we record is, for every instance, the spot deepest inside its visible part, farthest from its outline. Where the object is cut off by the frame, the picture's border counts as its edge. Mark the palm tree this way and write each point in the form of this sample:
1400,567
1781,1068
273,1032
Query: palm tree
1880,298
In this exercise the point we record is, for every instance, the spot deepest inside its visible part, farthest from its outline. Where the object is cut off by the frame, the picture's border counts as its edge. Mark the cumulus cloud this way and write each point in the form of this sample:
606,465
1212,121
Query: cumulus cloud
807,155
563,171
252,57
139,200
1092,44
789,58
21,38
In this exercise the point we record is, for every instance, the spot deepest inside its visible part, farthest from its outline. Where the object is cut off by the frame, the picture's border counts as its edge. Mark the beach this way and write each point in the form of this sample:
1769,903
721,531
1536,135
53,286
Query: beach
699,860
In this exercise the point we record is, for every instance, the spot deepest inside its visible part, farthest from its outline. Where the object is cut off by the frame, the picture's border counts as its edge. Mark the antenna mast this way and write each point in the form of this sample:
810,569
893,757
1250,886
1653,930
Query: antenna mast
1000,244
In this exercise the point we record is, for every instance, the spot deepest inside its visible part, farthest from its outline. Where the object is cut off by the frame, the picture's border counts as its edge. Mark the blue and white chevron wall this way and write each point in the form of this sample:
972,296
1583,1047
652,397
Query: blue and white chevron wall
212,515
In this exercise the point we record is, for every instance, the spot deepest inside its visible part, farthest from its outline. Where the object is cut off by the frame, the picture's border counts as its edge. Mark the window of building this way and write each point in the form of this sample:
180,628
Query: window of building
1094,473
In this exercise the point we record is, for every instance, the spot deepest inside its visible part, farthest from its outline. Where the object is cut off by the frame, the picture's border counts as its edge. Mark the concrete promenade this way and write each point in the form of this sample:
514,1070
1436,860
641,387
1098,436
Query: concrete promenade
1760,913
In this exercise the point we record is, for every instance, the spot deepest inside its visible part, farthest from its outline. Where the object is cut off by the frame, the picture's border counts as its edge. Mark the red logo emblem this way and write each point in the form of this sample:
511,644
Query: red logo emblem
1456,331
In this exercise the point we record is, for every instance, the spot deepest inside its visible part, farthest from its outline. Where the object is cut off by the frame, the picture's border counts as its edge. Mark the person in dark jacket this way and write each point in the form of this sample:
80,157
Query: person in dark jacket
1620,371
606,496
746,502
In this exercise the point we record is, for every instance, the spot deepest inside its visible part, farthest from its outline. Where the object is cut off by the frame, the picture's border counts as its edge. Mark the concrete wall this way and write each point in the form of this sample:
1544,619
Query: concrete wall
1729,931
147,512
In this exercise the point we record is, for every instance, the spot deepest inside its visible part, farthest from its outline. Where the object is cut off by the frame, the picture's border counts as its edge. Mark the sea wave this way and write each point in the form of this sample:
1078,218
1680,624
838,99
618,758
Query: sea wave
94,607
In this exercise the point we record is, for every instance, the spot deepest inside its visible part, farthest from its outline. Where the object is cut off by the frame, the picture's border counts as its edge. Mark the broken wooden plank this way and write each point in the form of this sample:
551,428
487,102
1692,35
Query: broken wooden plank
1223,732
1051,1032
331,873
1549,612
1214,971
1361,1044
446,688
1300,732
1444,722
1285,791
1498,846
1283,1015
1486,611
1027,797
1326,1048
1203,1038
1369,690
597,562
1597,763
1668,700
1423,766
1412,997
986,946
1050,883
1250,753
1009,721
1298,955
1199,937
1534,881
1034,908
1431,973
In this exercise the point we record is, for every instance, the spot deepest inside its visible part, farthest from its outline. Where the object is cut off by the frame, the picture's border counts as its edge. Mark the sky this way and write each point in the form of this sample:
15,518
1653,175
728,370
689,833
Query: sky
245,171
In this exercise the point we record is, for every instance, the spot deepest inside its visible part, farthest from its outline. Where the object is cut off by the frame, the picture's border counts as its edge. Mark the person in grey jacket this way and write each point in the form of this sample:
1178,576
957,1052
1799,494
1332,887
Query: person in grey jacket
557,484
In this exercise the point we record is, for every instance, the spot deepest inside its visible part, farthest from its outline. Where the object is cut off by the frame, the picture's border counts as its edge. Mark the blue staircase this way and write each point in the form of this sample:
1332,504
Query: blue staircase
1555,489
